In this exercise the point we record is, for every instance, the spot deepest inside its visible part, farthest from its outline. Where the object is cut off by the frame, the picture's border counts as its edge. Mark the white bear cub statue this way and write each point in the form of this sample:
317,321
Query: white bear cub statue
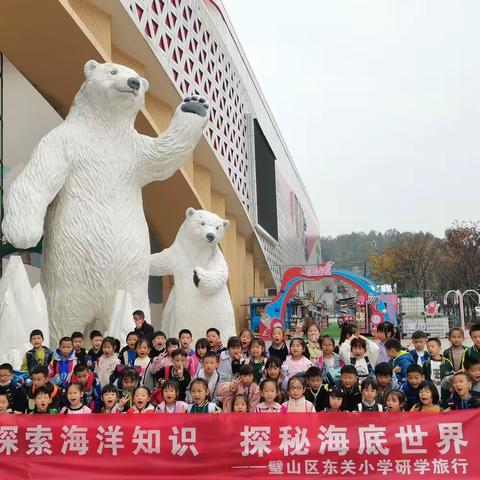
82,190
199,298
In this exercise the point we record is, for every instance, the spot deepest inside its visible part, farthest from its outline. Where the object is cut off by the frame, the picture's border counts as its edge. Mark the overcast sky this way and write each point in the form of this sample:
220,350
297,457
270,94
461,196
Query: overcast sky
379,104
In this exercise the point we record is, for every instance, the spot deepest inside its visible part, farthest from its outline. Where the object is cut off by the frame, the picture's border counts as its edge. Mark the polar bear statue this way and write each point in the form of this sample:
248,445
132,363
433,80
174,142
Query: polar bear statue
199,298
81,189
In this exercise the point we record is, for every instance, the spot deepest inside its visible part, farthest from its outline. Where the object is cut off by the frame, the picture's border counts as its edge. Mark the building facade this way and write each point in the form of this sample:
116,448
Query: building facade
241,168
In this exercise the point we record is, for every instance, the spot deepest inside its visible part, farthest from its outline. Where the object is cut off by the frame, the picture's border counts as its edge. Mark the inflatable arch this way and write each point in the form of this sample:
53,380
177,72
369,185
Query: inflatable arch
274,312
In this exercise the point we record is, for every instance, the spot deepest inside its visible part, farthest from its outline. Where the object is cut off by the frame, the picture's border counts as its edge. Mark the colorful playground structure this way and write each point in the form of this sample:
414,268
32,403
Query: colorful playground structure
377,305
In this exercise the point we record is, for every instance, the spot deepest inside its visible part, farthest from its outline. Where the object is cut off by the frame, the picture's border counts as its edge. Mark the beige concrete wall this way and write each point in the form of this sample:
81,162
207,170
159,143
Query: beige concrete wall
202,183
250,272
188,168
156,310
119,56
96,20
218,203
241,309
259,283
160,112
229,247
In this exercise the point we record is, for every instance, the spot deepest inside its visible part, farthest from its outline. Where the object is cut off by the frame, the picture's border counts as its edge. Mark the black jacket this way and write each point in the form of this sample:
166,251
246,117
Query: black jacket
145,331
319,399
83,358
155,353
280,353
166,373
94,356
456,403
32,361
352,398
17,396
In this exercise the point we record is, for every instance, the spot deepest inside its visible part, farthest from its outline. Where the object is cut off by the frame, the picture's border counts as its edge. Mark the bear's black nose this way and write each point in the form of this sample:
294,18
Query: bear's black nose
210,237
134,83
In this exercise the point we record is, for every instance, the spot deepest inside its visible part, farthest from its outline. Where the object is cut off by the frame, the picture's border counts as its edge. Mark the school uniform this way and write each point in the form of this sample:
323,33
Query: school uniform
363,406
419,357
411,394
457,403
351,397
206,407
82,357
61,368
281,353
318,398
258,368
94,356
455,355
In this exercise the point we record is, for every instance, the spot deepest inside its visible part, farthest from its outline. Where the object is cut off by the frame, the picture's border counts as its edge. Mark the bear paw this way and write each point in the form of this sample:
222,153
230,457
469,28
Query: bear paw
196,280
195,104
200,275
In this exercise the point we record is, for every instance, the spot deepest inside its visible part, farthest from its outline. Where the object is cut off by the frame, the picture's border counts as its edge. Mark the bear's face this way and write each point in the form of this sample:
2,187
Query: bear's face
111,86
205,226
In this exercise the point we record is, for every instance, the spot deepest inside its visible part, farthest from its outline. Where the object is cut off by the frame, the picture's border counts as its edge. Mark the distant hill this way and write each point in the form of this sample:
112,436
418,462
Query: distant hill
419,263
352,250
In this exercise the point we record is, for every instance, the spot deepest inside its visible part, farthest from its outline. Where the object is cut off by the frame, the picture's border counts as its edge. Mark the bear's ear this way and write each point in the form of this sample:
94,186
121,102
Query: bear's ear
145,84
89,67
226,224
190,211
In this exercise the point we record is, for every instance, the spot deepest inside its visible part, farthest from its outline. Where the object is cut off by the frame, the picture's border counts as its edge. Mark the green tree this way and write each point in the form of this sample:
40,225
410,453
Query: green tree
410,262
460,261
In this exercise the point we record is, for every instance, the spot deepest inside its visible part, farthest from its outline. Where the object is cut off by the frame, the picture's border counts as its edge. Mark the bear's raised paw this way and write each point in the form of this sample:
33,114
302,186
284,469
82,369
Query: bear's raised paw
195,104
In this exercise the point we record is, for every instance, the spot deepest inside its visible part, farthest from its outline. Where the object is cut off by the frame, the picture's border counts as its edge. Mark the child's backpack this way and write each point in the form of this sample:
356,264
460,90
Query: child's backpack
120,368
353,362
157,396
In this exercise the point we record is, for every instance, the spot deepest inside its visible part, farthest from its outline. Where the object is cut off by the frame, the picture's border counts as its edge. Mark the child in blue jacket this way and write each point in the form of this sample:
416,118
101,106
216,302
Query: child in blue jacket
399,357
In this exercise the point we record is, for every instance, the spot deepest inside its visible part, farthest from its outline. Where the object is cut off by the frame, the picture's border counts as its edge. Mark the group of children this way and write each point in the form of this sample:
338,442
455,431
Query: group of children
310,374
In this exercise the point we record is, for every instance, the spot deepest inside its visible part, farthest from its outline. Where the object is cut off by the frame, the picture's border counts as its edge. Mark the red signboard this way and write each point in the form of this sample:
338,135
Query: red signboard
231,446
